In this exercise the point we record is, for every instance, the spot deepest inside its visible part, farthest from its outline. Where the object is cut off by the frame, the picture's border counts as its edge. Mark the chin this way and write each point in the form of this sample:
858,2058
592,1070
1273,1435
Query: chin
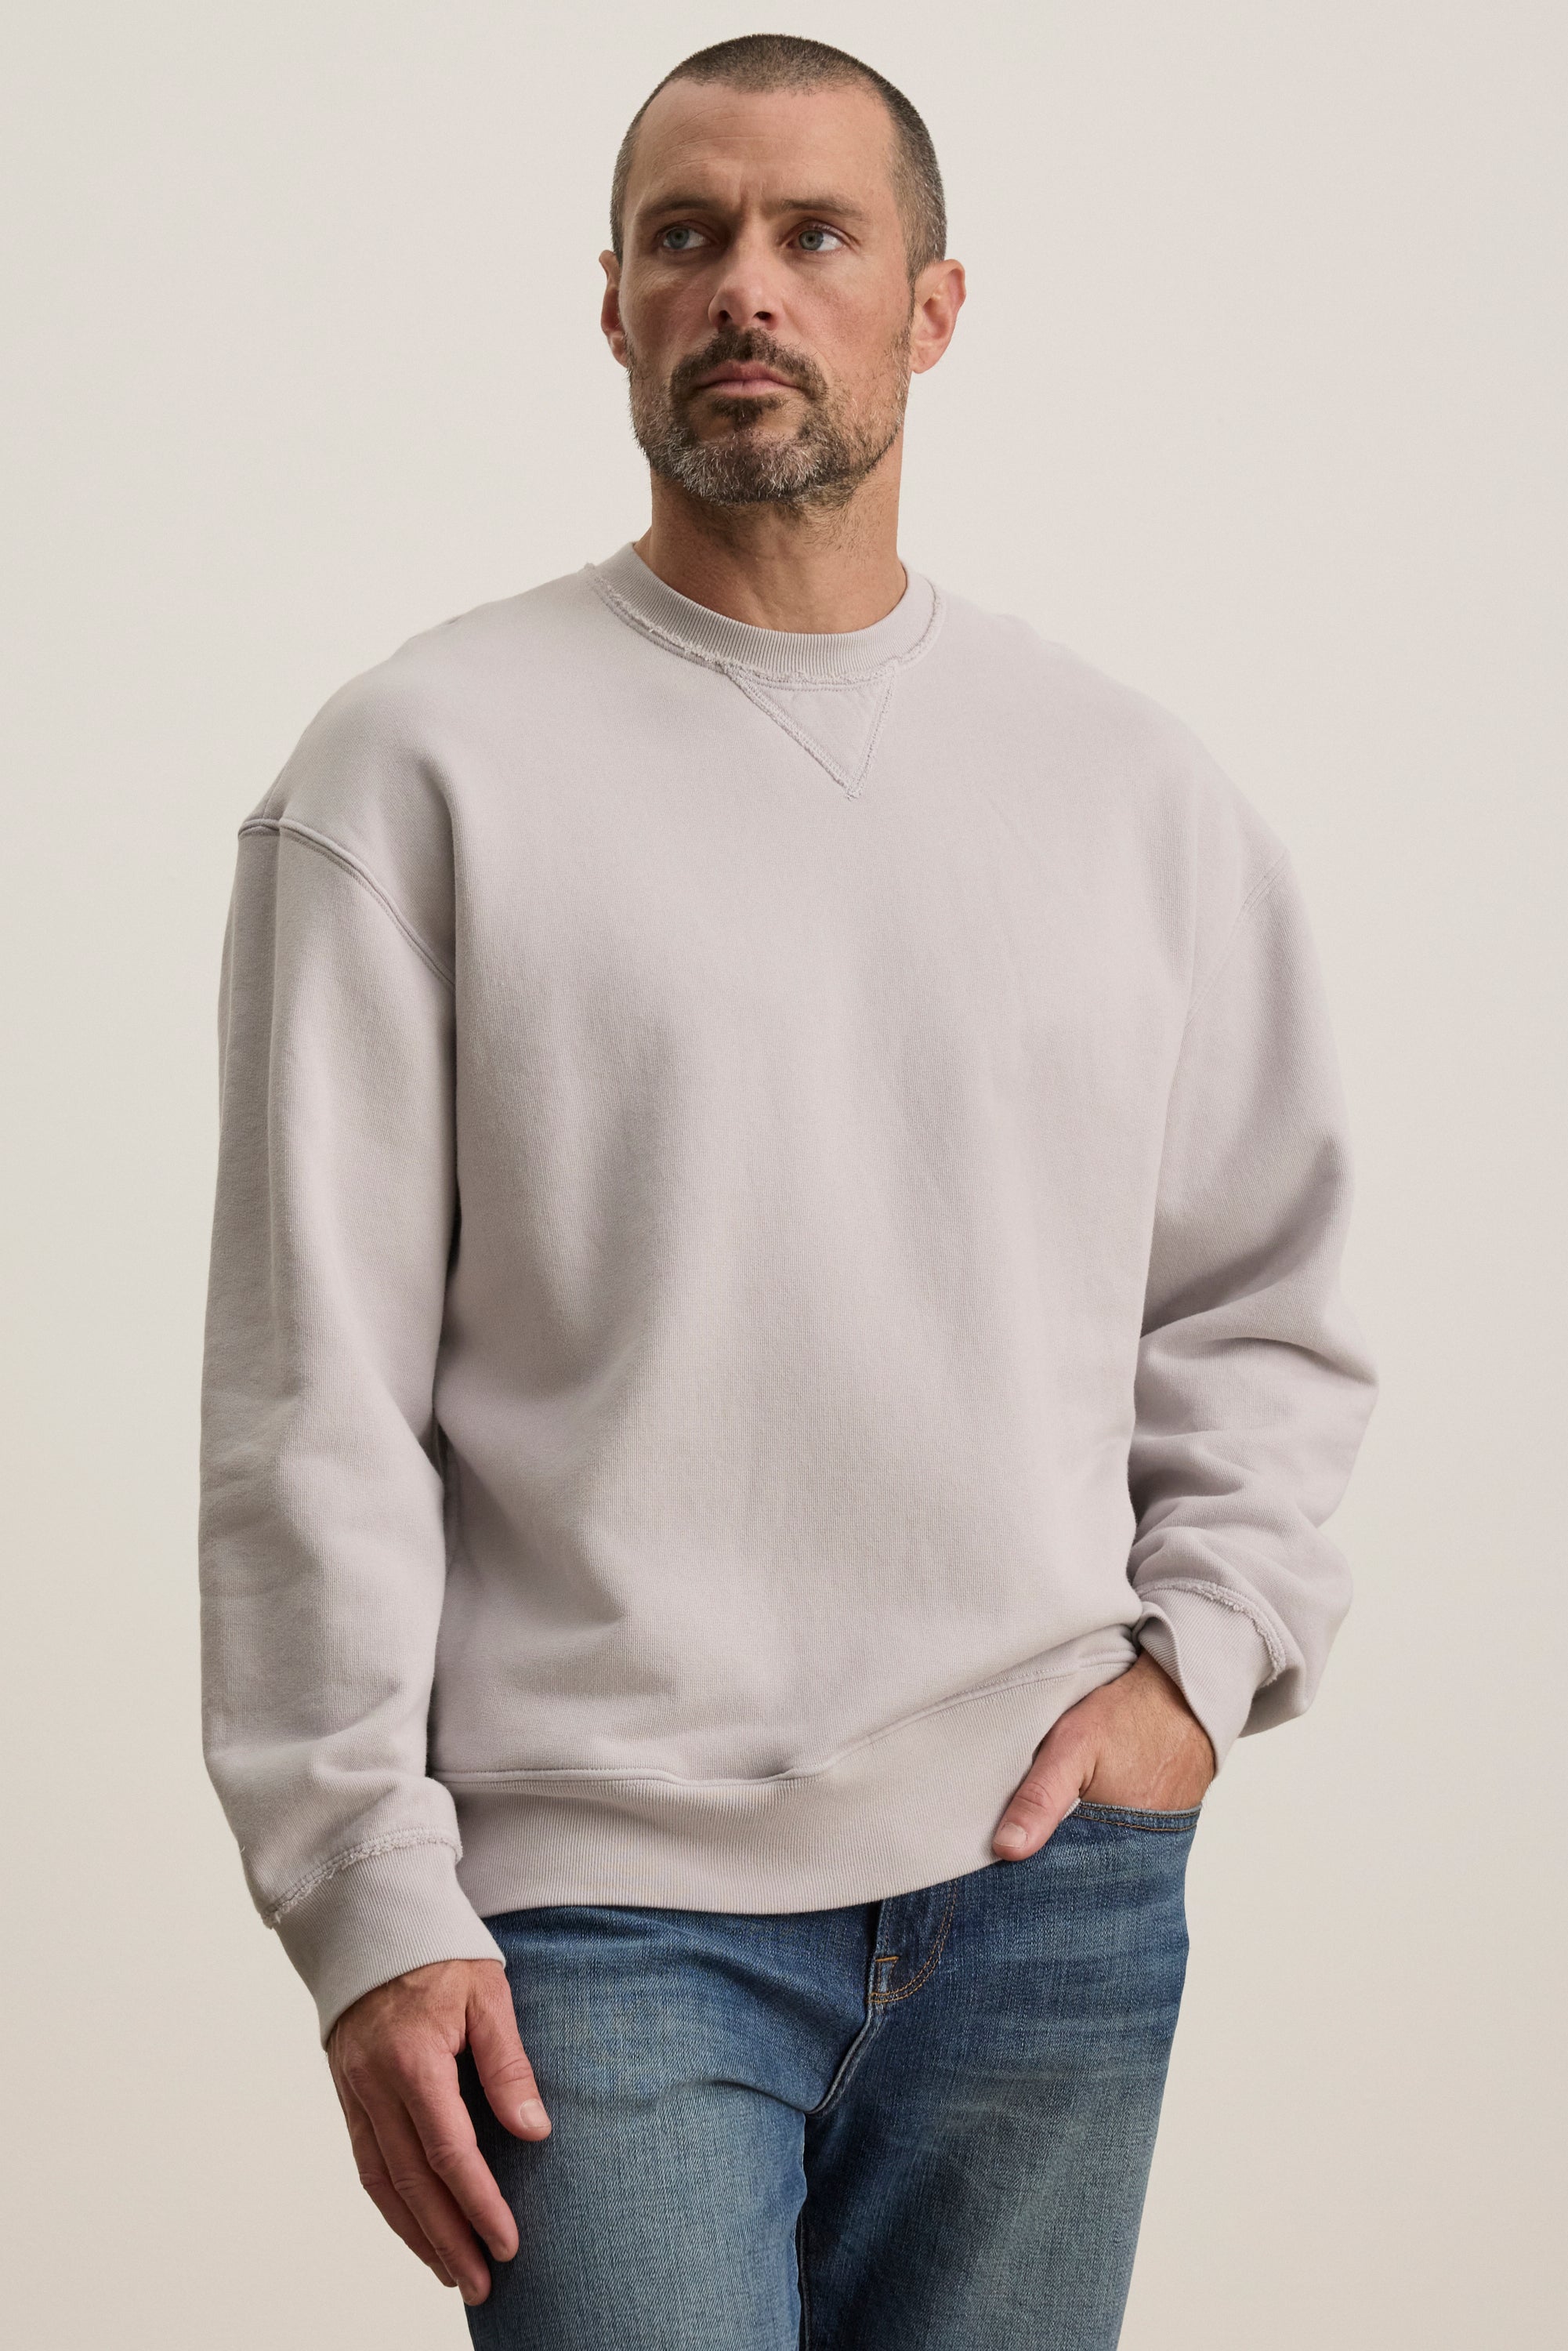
745,415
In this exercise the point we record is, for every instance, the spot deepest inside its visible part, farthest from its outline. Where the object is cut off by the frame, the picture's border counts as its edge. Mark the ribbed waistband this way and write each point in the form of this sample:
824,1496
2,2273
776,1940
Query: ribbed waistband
908,1807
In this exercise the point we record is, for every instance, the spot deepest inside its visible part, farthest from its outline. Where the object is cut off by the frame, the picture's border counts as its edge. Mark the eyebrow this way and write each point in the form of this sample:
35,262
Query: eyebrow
837,206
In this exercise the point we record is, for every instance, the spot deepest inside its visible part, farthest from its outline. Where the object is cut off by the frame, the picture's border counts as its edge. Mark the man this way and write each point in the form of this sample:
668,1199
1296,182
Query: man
774,1362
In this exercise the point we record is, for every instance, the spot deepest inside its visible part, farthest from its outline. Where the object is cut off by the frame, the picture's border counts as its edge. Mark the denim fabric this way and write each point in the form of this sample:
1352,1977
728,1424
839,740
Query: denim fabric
922,2122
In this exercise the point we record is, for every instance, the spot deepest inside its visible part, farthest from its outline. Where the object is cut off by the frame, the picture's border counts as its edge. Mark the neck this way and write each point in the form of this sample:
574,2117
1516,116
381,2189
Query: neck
820,569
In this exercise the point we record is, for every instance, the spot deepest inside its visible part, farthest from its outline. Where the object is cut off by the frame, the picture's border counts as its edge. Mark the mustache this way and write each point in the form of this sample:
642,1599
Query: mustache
752,344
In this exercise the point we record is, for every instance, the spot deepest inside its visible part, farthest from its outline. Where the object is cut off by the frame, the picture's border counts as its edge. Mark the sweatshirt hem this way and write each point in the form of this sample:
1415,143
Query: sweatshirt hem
910,1806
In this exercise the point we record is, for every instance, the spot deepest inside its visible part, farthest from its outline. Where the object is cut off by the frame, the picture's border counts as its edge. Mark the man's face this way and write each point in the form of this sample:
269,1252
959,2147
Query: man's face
763,308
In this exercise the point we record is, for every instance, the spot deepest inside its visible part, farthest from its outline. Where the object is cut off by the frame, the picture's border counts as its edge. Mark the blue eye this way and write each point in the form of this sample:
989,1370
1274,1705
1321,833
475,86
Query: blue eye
808,234
681,228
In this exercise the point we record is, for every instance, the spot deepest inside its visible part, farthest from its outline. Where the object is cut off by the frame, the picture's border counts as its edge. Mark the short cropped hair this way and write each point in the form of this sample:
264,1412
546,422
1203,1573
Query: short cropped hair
786,61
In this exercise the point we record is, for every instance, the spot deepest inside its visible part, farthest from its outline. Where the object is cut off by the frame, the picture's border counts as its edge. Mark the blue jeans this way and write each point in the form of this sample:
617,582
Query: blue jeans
921,2122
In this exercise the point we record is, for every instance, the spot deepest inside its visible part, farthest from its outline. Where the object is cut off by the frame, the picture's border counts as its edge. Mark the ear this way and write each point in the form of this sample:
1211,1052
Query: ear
939,293
610,309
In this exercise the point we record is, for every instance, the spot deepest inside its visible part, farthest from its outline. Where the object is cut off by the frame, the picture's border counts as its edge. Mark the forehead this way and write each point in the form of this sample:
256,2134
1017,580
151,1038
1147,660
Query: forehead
750,146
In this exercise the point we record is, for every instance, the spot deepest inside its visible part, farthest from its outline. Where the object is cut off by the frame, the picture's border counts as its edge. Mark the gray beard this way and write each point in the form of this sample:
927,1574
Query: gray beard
821,464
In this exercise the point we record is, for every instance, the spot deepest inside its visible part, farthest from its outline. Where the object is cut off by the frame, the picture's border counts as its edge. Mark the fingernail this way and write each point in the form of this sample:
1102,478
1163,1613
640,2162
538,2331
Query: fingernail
1011,1839
531,2113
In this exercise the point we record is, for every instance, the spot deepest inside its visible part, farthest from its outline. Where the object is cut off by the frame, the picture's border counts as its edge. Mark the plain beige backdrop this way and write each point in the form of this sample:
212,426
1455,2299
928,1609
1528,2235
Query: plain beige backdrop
1258,403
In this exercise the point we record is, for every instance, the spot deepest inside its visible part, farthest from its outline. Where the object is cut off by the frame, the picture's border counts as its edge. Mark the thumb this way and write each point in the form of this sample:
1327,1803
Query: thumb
500,2059
1042,1798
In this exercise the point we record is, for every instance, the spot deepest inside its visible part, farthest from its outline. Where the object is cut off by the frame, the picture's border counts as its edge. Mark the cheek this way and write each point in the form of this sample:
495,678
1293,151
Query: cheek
858,350
665,323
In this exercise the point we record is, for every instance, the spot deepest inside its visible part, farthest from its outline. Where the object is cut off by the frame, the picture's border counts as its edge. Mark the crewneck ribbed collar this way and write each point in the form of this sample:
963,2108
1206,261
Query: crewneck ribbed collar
778,656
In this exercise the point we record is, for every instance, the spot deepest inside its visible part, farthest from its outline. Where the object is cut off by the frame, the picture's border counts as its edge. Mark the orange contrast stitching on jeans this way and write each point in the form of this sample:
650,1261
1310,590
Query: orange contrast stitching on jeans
886,1999
1153,1825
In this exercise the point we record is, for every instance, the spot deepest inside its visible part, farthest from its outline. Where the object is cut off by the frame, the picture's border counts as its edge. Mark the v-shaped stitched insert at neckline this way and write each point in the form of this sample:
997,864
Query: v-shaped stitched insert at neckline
830,691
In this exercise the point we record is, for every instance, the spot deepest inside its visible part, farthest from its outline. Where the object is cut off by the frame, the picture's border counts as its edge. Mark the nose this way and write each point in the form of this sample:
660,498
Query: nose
747,293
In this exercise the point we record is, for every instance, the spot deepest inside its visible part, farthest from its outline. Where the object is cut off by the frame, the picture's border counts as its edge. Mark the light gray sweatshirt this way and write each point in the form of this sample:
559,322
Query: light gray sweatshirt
778,1211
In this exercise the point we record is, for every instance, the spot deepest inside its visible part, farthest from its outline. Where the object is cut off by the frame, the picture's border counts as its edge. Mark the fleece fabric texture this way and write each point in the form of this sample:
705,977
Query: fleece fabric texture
779,1216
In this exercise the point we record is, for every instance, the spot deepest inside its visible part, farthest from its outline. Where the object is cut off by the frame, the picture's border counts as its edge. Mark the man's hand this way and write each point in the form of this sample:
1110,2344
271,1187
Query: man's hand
1134,1740
393,2056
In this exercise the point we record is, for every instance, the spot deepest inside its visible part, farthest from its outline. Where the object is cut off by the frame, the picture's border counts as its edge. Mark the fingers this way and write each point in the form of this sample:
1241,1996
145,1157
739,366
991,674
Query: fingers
419,2188
502,2063
446,2181
1134,1740
418,2157
374,2180
394,2059
1044,1798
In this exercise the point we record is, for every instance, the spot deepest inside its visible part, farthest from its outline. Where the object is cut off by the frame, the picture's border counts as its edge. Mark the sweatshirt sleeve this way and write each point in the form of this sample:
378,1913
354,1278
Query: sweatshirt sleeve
322,1542
1253,1384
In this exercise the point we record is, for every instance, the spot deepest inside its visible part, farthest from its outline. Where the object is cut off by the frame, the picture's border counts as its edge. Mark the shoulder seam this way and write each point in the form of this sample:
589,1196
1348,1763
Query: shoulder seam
288,826
1260,889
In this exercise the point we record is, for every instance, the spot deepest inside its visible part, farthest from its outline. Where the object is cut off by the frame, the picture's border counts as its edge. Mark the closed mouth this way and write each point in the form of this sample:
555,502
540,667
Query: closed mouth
745,376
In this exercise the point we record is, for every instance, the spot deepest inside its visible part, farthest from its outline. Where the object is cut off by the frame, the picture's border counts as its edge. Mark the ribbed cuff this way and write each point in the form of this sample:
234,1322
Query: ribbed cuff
1215,1655
394,1910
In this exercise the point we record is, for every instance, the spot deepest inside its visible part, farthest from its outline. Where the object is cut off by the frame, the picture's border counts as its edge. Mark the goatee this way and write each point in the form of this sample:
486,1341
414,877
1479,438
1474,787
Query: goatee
821,463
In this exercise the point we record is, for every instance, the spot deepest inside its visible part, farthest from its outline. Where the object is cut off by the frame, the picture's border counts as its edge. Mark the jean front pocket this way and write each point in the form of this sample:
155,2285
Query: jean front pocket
1136,1816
